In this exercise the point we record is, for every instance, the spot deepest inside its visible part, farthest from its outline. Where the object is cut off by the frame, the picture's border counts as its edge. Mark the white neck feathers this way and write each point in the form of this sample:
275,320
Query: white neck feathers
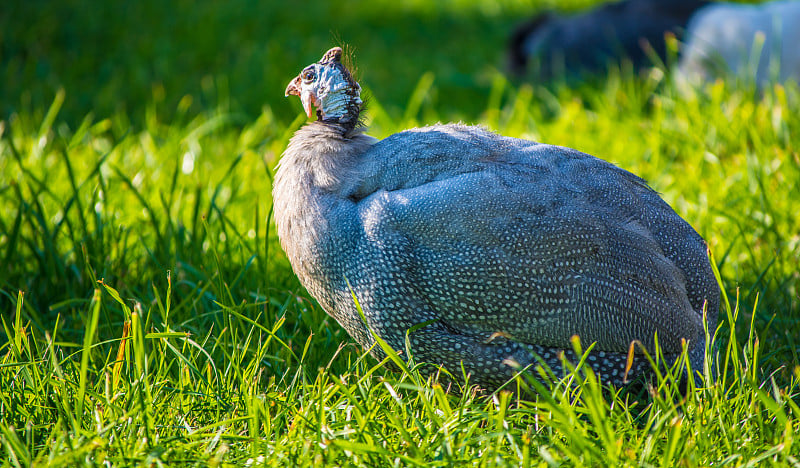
336,94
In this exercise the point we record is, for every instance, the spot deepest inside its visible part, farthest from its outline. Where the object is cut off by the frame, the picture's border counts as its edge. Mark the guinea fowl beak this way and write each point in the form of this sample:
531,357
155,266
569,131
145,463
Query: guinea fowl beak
294,87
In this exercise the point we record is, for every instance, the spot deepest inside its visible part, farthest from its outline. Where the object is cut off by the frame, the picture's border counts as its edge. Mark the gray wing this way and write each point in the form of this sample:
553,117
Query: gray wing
557,244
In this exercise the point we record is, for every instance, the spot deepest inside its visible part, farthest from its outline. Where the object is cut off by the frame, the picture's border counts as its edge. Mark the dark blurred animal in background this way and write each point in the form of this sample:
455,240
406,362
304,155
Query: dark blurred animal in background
552,45
756,43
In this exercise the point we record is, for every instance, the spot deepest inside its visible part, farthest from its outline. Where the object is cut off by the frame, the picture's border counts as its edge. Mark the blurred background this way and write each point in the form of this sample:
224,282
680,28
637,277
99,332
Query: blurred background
120,56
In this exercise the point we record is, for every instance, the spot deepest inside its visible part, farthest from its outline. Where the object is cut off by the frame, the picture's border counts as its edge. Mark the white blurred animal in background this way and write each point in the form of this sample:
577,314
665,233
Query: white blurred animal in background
754,43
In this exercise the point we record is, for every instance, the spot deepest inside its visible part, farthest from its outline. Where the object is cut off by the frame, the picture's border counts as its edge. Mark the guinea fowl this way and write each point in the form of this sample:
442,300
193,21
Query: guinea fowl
502,248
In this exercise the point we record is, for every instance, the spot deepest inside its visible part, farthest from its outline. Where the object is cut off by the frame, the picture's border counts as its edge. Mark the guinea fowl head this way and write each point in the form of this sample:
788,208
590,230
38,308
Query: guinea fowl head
328,86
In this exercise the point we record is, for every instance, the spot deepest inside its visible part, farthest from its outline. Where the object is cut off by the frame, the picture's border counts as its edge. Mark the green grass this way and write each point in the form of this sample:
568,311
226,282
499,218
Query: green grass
150,318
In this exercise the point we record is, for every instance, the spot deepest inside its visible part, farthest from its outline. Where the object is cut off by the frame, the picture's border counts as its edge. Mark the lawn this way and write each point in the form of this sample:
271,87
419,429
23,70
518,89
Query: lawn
149,316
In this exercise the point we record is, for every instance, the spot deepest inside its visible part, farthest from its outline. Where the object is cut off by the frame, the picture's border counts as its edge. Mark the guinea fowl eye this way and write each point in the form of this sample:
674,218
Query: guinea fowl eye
308,76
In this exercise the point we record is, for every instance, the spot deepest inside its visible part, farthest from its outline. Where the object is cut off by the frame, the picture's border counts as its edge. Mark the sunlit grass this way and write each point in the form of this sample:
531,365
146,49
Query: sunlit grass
149,315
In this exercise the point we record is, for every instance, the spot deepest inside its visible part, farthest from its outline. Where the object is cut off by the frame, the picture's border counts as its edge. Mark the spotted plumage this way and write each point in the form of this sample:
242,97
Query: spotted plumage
506,246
